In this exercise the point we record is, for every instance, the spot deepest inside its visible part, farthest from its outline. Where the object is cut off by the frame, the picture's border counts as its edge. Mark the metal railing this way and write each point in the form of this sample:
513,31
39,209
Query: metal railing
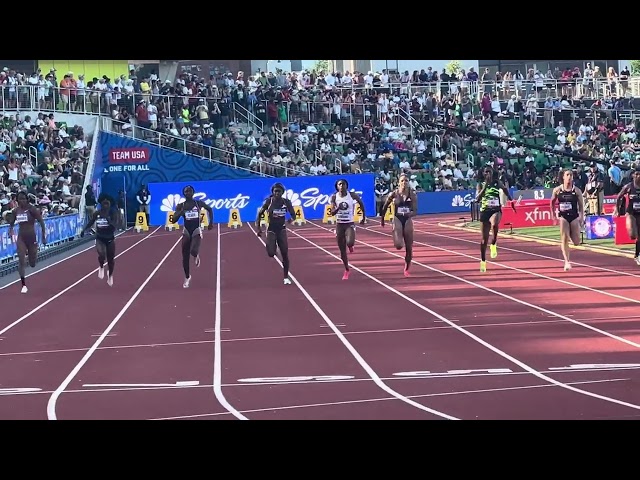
229,157
41,98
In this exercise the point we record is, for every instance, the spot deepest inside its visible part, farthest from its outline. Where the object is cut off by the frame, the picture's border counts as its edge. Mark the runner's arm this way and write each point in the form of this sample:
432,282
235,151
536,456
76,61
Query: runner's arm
580,204
209,211
292,211
553,201
357,198
622,193
334,207
38,216
90,223
385,206
414,205
263,209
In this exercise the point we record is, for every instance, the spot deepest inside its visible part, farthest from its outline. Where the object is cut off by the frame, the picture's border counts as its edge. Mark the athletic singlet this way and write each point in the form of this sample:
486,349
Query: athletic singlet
568,202
491,198
277,213
23,217
633,207
346,206
192,217
103,229
403,205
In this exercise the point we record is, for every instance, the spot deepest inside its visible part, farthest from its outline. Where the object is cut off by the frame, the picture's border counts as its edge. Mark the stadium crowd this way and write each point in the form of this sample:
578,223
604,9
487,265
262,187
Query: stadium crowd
47,159
279,123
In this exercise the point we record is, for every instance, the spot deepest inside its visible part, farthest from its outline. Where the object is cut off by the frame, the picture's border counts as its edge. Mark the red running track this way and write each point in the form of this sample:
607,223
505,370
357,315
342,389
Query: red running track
523,341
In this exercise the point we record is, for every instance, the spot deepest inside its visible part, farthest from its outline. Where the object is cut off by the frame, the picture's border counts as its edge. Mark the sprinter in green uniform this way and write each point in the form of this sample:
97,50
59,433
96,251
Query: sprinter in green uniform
490,211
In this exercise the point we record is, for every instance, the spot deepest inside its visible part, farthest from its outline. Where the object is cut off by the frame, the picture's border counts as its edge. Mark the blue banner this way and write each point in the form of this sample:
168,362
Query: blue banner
58,229
125,164
312,193
448,201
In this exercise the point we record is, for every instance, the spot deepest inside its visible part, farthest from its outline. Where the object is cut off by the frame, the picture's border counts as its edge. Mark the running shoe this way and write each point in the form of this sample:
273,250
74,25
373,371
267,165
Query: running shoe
186,282
637,259
197,260
406,273
494,250
345,276
351,249
101,272
567,266
287,281
24,289
483,266
110,280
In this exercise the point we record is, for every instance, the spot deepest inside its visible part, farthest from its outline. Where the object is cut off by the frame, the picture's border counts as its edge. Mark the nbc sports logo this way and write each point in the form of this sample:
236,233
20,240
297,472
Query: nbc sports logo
457,201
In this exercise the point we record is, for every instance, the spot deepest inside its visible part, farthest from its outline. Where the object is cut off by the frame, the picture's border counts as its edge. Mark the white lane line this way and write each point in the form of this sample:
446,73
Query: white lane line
520,270
503,295
70,287
367,368
463,330
184,383
46,267
51,404
217,353
370,400
538,255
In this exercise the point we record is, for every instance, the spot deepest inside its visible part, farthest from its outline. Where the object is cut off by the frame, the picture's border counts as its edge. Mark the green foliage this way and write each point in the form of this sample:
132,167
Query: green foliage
453,67
321,66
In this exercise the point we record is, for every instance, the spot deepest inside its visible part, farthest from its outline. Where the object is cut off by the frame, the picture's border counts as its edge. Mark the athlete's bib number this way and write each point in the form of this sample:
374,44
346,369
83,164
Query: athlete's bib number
279,212
403,210
636,206
21,218
565,207
191,215
493,202
102,223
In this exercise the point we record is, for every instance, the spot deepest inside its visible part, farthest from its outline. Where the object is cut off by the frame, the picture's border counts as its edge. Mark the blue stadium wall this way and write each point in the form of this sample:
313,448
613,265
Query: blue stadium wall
125,163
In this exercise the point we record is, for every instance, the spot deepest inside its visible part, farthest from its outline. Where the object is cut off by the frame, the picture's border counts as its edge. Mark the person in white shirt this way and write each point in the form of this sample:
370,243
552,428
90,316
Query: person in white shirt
342,207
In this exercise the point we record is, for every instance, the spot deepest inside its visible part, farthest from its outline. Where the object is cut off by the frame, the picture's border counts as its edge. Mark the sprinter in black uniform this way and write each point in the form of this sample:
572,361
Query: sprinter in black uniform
570,212
191,233
107,220
25,215
632,209
276,208
488,194
405,202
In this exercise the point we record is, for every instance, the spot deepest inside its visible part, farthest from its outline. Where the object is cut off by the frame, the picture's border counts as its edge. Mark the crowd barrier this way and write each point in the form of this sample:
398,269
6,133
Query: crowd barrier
59,229
310,193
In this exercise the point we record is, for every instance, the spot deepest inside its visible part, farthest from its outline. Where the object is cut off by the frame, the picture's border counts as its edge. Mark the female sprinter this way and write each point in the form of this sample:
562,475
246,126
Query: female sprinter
277,207
488,194
191,233
405,201
632,209
25,215
570,212
343,203
107,220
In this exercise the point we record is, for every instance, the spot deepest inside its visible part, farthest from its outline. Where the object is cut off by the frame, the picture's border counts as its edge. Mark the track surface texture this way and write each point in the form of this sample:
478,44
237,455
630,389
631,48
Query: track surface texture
525,340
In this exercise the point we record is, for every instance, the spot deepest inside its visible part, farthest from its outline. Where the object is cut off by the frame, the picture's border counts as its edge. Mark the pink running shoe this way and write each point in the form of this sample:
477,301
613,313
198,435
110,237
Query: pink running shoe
406,273
351,249
345,276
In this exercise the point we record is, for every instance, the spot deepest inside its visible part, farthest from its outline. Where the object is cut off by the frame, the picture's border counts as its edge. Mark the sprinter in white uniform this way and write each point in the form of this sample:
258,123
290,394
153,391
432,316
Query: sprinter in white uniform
343,203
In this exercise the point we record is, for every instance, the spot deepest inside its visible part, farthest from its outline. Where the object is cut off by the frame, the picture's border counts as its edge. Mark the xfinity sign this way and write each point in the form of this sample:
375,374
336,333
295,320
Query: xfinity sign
537,215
